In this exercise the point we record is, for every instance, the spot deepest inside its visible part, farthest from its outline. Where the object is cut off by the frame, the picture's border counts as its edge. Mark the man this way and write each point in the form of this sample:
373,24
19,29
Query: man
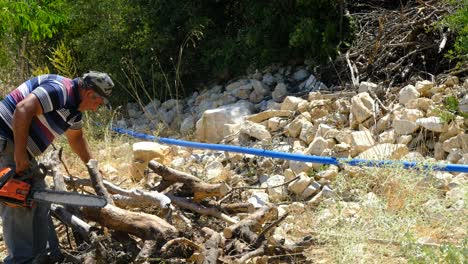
31,116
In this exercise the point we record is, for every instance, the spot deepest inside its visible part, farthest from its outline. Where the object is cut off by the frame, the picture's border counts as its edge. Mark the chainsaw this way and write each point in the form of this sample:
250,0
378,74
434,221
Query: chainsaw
18,193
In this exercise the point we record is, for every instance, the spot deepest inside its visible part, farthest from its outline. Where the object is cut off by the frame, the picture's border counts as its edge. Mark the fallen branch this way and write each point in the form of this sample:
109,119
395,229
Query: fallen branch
253,222
200,189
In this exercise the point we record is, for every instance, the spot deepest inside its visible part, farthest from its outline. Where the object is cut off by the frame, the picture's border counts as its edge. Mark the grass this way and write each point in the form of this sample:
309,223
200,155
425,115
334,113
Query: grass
385,216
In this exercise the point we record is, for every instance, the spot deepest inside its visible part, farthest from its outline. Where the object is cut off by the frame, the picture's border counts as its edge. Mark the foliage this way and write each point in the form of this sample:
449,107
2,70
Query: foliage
447,253
26,27
175,45
39,19
449,110
40,71
458,22
62,60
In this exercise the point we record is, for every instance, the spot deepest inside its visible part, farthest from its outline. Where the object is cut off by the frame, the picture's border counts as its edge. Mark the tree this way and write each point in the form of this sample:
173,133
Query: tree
27,21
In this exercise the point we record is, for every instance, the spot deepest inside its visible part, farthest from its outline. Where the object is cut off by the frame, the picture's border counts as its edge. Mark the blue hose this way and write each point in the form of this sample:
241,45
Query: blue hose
295,157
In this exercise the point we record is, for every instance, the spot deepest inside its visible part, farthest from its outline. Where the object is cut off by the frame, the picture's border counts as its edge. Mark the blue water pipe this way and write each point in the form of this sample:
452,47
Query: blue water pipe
296,157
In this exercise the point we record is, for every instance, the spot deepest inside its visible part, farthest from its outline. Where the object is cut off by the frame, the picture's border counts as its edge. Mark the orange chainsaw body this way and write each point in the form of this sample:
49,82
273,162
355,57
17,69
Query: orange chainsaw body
14,192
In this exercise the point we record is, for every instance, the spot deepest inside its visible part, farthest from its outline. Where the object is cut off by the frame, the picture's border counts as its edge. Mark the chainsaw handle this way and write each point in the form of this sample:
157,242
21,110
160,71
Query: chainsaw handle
6,174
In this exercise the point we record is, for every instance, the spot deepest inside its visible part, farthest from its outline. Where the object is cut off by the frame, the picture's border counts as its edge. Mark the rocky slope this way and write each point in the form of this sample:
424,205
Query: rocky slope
291,111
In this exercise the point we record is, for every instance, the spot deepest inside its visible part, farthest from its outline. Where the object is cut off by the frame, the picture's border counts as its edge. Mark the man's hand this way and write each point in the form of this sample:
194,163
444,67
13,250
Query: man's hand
21,160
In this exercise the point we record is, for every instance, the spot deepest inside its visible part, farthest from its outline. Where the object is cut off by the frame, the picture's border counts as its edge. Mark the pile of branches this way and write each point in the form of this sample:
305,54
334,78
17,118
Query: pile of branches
193,221
397,41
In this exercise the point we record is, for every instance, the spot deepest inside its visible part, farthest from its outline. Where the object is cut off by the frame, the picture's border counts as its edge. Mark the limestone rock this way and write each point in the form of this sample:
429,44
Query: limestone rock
404,127
280,92
259,91
423,87
276,123
300,75
454,129
387,137
383,123
439,153
299,185
463,139
422,103
311,189
318,146
143,152
277,193
361,141
345,137
259,199
329,173
411,114
210,127
290,103
214,172
385,151
233,86
433,123
362,107
314,96
408,93
452,81
455,155
187,125
268,79
451,143
294,128
365,87
322,130
299,166
243,92
308,132
146,151
463,104
255,130
343,105
404,139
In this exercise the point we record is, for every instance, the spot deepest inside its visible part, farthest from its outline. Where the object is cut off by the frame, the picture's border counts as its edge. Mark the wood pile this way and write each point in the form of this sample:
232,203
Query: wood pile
191,221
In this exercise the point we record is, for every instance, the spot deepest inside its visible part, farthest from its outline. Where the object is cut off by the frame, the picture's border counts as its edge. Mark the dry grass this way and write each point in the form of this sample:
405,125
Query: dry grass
403,208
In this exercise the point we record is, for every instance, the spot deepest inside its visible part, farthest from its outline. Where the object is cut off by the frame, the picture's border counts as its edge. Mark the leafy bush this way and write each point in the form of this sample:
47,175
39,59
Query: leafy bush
171,46
458,22
187,42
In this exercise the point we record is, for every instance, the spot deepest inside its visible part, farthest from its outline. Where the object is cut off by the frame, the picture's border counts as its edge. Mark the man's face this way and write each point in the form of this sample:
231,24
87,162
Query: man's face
90,101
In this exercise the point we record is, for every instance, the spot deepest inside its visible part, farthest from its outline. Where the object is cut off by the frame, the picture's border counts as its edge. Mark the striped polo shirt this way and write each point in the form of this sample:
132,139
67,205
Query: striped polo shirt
59,99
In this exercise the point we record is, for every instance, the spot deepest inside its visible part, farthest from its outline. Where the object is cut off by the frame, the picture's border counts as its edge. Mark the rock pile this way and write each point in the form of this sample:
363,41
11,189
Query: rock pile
408,123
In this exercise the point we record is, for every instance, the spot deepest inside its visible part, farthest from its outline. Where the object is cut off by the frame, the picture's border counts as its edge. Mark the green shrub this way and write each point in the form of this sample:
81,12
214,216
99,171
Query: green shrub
176,45
458,22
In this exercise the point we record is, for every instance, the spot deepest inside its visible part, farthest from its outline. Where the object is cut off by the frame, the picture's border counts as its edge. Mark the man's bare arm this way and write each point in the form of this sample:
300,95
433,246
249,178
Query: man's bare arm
28,108
79,144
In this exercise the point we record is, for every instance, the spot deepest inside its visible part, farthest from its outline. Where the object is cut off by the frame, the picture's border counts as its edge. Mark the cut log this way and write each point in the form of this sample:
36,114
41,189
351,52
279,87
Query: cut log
212,247
190,205
253,222
154,198
167,250
148,249
257,252
200,189
78,225
142,225
161,200
96,179
234,208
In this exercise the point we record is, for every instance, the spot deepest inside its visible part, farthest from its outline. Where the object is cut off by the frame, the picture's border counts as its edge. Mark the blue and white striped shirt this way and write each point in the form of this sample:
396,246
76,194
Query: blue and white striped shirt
59,99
